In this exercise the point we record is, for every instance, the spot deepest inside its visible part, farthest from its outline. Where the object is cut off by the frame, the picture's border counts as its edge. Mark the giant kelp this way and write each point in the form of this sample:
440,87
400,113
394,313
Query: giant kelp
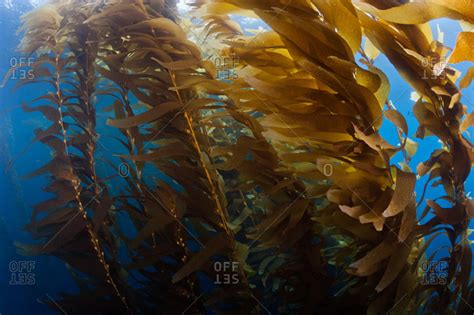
321,43
281,169
74,224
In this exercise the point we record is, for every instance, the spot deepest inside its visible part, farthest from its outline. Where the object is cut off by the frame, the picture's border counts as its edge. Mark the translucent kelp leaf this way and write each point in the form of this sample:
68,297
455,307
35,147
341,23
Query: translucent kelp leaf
405,186
467,78
464,50
394,267
211,248
422,12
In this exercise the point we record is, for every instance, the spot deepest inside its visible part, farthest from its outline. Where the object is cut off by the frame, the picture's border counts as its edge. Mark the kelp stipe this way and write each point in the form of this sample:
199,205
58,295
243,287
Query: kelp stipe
154,75
153,78
74,224
280,171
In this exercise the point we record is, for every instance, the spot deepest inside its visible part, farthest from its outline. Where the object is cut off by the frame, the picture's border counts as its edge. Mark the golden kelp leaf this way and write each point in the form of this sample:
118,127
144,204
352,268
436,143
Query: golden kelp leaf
155,224
179,64
452,215
133,13
397,119
408,221
404,189
463,281
350,70
464,50
424,113
370,50
339,219
467,78
467,122
430,166
160,24
250,75
266,39
427,31
41,135
404,166
454,100
295,210
354,212
169,150
463,7
146,117
223,27
316,39
469,208
202,257
411,147
375,218
461,160
394,267
420,12
374,140
342,15
338,196
384,90
369,263
73,227
238,154
222,8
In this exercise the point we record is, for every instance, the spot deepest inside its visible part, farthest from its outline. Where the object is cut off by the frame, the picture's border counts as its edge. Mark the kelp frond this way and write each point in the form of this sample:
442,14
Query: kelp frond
73,223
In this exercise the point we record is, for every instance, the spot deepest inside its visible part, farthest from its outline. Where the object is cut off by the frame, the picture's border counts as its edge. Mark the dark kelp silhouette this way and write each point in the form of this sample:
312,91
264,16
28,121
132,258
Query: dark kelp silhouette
280,171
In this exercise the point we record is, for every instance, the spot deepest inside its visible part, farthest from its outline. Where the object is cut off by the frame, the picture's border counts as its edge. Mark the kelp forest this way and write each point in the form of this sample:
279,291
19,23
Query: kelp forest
250,171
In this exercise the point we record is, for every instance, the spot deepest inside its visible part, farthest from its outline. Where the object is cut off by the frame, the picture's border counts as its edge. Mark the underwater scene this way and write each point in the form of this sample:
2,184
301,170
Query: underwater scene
236,157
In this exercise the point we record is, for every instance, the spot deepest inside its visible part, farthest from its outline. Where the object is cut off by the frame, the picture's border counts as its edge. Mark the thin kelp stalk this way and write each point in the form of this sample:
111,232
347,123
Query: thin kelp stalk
148,50
213,190
123,109
241,194
85,47
135,148
219,208
85,72
77,188
66,225
83,44
135,151
93,238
